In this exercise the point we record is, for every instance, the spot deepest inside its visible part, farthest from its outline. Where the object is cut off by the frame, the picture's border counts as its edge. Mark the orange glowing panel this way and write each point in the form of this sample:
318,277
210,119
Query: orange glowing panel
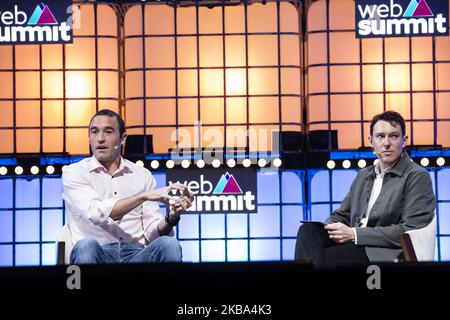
160,83
397,49
28,140
187,111
81,54
30,85
212,137
345,79
397,77
291,110
160,52
211,52
52,84
7,145
422,77
260,137
212,111
421,104
345,107
372,50
187,52
236,137
27,114
263,110
372,78
263,81
80,84
53,140
443,137
6,87
372,105
211,82
399,102
6,60
351,52
52,113
6,112
236,82
77,141
187,83
235,51
79,113
236,110
27,57
339,14
161,112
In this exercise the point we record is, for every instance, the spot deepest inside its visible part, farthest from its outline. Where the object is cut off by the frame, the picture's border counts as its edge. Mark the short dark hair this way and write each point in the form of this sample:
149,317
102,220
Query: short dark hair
392,117
110,113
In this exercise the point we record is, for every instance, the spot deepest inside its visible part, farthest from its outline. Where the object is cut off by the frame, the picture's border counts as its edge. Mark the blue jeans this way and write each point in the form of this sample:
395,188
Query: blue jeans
162,249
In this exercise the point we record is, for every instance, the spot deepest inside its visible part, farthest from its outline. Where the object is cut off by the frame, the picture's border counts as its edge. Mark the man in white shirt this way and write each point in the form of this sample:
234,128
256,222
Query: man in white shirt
112,204
384,200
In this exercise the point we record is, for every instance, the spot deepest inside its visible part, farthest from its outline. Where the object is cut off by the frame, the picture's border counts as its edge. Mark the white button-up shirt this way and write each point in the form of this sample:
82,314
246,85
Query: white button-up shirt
90,194
376,190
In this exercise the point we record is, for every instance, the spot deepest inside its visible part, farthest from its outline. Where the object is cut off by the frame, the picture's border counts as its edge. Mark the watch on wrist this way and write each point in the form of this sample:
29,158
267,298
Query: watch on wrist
173,224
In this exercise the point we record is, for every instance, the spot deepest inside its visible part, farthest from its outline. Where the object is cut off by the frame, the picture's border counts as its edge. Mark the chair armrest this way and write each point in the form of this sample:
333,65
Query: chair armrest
407,247
61,252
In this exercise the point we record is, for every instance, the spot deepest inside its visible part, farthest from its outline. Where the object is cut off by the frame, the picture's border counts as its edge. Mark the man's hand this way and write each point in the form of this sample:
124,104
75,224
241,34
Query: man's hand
339,232
181,204
175,205
164,194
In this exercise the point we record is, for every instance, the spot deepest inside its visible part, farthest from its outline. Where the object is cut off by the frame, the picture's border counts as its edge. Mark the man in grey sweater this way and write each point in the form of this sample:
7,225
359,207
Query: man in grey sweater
384,200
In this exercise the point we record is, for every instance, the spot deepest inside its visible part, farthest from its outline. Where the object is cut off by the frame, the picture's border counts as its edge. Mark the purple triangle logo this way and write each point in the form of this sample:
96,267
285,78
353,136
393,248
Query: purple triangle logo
47,17
232,186
423,10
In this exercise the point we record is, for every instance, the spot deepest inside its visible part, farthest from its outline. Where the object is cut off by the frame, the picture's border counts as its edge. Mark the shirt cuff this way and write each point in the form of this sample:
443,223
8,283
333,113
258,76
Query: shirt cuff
355,234
152,231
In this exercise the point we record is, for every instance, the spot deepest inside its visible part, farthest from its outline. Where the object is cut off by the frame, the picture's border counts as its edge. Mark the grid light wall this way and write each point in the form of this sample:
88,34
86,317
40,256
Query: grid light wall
48,93
234,69
350,80
32,212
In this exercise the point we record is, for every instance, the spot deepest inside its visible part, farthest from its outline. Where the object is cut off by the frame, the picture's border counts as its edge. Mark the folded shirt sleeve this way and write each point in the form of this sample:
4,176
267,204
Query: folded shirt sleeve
83,199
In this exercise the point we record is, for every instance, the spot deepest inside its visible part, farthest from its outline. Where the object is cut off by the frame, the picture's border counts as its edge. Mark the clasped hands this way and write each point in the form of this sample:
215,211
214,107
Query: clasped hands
176,205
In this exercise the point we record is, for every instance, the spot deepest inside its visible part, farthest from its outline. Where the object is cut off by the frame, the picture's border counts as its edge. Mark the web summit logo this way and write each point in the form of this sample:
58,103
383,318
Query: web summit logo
42,15
41,27
390,19
226,196
227,184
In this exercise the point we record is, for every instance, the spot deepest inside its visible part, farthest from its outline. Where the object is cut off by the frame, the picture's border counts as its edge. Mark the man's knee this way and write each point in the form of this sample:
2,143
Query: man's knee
168,247
87,245
86,251
309,230
166,242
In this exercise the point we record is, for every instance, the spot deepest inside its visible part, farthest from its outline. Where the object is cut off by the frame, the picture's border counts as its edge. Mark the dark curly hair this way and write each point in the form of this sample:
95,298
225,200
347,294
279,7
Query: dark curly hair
393,117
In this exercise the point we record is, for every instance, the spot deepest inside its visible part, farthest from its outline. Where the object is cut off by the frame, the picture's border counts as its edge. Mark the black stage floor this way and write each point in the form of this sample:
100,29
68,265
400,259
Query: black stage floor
281,288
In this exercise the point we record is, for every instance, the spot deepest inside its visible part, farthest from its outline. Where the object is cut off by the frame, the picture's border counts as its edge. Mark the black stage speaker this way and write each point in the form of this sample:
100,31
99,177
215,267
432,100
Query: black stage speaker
134,145
288,141
320,139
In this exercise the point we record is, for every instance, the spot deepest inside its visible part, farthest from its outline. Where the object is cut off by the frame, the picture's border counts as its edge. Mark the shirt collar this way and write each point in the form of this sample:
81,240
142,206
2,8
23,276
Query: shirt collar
95,164
398,168
401,165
